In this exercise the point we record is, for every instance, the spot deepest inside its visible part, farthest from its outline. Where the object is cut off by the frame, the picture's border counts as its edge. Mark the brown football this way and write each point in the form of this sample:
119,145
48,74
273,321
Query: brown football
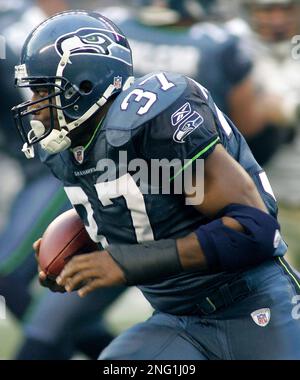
64,238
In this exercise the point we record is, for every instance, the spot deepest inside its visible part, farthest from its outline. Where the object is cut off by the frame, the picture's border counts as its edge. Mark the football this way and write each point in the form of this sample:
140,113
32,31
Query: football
64,238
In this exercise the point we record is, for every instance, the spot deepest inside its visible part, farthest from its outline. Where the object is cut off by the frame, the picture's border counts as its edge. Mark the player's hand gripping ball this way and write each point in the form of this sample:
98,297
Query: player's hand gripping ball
64,238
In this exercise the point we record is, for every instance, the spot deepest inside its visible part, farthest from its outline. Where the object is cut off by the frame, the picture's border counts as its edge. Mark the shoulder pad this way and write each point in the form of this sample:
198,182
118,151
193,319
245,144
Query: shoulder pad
147,98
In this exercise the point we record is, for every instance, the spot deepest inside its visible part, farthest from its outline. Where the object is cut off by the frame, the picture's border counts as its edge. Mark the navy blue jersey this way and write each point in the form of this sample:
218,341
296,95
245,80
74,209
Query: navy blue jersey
205,52
161,116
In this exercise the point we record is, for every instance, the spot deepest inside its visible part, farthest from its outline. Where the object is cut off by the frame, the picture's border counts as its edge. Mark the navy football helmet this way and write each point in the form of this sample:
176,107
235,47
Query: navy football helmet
82,59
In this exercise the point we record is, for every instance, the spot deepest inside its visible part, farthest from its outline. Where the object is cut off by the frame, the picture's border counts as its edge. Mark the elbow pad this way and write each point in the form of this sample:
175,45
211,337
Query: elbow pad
228,250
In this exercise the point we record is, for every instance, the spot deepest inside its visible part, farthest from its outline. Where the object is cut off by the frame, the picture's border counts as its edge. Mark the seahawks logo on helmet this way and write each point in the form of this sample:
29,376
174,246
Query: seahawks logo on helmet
93,41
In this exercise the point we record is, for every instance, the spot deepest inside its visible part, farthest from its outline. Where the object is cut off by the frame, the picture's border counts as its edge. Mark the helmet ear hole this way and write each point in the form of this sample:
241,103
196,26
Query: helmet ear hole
86,87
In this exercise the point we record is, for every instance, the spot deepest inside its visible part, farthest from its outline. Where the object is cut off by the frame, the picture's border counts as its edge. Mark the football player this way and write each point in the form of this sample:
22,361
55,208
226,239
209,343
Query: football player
212,268
207,42
36,335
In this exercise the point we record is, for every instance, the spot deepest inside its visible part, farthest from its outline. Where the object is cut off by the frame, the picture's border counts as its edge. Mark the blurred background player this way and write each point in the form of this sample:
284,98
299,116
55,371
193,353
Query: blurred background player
58,324
269,31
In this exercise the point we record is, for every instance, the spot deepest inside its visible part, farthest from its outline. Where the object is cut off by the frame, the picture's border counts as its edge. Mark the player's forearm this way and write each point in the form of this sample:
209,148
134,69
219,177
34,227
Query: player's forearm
243,236
190,253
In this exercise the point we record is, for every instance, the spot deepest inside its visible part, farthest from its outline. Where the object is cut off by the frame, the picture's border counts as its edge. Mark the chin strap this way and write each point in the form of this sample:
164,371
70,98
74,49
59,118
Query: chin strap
28,150
55,142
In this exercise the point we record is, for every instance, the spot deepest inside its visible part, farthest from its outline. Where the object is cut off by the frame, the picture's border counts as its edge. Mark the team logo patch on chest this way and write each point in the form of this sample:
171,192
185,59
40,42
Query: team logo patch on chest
187,121
261,317
79,154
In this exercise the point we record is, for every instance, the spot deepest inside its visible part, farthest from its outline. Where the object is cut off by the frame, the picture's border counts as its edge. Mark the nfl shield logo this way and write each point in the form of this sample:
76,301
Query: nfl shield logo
261,317
79,154
118,82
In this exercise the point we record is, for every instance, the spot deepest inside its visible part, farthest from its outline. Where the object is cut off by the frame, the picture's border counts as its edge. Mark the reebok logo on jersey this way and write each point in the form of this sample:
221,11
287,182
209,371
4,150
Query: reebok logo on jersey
187,121
261,317
181,114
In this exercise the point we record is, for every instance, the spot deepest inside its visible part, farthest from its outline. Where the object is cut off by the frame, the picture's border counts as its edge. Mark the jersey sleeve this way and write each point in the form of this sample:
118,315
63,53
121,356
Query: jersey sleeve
185,130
